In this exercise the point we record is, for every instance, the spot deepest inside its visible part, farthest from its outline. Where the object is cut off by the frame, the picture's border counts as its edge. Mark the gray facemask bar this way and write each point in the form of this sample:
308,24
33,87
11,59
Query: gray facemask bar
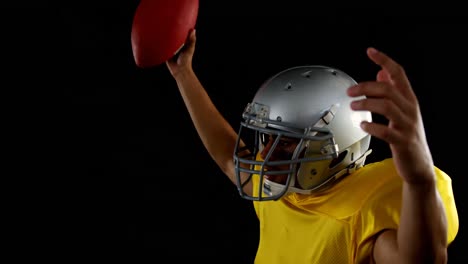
330,152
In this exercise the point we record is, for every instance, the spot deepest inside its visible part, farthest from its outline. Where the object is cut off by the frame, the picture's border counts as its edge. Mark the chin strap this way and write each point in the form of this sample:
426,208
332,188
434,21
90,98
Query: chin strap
353,166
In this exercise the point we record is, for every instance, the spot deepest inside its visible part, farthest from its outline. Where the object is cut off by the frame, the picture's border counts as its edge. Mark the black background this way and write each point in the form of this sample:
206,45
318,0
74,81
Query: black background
133,181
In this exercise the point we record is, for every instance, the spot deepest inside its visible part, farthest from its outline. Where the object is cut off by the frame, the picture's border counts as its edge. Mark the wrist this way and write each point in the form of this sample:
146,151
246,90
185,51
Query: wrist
183,73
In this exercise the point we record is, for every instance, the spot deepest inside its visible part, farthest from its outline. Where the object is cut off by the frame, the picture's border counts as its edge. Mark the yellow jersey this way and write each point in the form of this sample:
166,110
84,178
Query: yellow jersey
340,224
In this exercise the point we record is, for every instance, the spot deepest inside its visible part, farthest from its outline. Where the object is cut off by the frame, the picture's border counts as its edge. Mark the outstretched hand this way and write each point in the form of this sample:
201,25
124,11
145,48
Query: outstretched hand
392,96
182,61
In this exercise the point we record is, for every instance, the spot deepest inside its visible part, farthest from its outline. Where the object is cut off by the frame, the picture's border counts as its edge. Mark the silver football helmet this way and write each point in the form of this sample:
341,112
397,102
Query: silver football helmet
306,107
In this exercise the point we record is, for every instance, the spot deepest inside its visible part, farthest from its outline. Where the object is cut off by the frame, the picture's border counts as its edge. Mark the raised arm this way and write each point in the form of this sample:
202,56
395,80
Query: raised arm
422,233
216,133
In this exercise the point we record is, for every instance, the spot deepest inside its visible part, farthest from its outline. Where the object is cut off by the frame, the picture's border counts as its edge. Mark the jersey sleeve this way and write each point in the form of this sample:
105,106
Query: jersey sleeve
444,186
382,211
379,213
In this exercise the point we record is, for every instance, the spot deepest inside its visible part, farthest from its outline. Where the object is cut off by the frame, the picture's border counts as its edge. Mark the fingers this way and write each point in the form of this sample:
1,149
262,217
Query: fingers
392,71
383,76
391,136
382,90
189,46
186,51
392,88
380,106
191,40
391,96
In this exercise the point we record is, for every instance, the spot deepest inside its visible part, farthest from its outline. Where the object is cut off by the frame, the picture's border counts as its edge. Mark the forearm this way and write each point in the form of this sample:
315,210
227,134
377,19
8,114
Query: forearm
215,132
422,234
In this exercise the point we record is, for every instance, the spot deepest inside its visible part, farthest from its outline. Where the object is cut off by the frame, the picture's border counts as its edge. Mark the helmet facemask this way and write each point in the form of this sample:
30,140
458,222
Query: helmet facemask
281,158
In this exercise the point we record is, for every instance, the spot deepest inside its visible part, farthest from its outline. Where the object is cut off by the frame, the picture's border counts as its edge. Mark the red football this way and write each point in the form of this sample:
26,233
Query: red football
160,28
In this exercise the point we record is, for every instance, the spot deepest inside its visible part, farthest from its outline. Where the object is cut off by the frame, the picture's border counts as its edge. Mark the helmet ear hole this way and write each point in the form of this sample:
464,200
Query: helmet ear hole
338,159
